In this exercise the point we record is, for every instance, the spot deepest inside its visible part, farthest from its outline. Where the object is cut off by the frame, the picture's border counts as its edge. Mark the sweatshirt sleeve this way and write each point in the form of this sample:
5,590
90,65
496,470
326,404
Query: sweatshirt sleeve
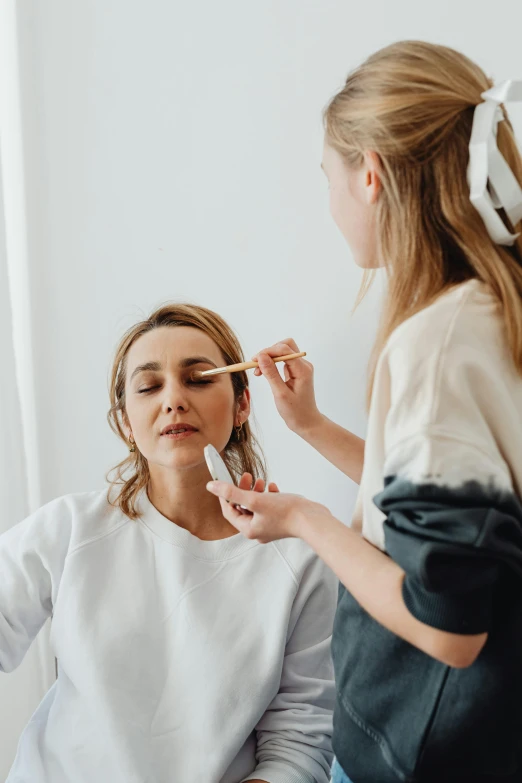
453,521
32,554
294,734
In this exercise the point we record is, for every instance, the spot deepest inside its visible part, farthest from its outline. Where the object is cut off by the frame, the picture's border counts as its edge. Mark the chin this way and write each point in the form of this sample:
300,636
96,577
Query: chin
367,263
178,459
180,465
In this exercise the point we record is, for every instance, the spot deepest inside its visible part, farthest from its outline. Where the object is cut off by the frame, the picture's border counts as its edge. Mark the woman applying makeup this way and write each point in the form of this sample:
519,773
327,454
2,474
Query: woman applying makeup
185,651
425,180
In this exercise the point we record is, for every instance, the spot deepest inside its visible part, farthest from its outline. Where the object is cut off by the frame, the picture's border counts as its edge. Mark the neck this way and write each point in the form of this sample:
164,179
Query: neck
182,497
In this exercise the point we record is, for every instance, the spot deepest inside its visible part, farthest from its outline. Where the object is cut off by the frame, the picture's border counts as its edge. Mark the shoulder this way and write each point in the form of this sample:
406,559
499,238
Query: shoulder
315,601
449,347
78,517
304,566
448,379
467,315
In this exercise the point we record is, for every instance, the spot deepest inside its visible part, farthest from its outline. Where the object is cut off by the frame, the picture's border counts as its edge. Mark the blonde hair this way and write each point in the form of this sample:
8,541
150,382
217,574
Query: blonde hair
412,103
242,452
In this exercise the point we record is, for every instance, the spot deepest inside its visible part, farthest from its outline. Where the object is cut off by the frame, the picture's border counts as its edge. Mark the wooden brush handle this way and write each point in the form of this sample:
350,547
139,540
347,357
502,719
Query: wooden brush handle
246,365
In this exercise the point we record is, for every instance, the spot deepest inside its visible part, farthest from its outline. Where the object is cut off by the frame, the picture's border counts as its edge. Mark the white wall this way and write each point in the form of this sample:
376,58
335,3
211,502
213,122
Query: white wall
172,151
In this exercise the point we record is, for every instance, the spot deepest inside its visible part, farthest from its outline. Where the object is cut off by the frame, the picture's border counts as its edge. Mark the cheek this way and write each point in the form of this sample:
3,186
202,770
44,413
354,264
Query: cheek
345,212
138,414
217,409
354,222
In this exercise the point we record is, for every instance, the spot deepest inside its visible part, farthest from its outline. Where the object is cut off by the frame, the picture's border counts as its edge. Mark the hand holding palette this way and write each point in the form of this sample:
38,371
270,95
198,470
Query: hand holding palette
219,471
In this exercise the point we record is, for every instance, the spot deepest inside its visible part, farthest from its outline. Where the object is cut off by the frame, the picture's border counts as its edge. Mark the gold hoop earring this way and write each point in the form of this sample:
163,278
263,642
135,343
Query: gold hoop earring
132,447
238,430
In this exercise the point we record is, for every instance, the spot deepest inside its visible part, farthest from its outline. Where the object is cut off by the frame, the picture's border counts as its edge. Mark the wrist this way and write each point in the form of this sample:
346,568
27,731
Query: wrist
309,518
313,425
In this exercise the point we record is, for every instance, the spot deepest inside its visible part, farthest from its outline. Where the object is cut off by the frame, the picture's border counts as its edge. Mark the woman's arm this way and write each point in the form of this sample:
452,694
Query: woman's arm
339,446
31,560
372,577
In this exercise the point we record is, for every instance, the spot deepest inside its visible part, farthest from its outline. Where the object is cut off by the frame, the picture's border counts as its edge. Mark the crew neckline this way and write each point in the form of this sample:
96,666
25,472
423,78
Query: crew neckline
219,549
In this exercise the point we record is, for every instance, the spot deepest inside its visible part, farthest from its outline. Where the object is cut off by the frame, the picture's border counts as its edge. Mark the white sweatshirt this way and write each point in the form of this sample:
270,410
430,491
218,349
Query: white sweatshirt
180,660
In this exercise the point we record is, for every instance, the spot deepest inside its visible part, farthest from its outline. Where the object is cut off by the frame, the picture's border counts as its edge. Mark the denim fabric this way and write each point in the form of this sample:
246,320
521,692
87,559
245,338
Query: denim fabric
338,775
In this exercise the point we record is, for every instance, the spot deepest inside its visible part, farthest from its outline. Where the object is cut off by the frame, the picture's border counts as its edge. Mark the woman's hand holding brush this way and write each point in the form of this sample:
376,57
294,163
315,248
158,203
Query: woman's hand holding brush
295,401
294,395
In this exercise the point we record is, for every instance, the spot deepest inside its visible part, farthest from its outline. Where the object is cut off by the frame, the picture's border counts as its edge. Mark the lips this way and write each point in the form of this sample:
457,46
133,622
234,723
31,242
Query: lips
178,428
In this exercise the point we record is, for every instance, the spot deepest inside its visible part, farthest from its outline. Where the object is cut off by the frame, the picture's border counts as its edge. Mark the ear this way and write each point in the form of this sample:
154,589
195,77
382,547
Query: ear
243,407
372,182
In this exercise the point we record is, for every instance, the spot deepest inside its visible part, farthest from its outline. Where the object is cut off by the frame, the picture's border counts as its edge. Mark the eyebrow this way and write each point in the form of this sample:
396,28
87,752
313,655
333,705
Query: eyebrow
191,360
157,367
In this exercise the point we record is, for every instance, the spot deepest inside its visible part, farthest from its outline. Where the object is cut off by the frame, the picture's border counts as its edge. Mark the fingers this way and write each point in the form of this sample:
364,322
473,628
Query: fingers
245,482
233,494
241,520
295,368
298,368
269,369
233,515
281,348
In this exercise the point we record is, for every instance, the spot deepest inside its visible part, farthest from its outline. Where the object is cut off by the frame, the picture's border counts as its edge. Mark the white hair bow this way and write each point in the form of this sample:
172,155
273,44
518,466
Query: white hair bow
488,167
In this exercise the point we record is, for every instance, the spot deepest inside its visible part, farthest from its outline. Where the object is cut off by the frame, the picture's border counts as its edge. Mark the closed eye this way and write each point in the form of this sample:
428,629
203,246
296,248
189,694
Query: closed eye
148,389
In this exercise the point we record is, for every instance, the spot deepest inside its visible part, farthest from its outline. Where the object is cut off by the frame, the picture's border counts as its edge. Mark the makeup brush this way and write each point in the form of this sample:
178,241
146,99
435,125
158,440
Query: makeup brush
243,366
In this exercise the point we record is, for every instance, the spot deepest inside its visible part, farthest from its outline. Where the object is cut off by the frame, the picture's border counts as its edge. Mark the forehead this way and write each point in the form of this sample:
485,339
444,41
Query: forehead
172,344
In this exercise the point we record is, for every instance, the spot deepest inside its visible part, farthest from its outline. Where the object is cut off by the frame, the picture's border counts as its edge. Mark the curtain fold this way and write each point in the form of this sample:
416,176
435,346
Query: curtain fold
21,691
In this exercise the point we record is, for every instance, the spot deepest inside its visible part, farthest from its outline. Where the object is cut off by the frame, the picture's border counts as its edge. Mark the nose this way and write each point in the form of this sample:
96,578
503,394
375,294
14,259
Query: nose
174,397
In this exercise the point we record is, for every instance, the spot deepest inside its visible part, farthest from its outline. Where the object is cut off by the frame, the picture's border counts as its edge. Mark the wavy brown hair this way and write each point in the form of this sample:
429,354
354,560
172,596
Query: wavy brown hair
242,452
412,103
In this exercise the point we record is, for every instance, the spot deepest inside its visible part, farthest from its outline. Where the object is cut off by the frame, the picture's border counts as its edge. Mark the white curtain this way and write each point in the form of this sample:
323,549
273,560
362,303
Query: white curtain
21,691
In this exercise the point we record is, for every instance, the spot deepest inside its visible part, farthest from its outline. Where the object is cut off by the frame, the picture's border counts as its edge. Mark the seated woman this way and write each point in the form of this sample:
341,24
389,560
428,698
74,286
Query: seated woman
185,651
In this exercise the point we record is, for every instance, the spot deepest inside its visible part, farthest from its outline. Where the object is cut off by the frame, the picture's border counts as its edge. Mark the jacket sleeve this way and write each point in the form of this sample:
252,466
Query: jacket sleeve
456,545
